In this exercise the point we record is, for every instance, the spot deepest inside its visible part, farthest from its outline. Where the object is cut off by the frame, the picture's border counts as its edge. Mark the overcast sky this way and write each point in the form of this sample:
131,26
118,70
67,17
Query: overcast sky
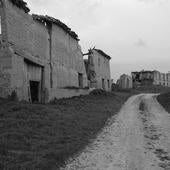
135,33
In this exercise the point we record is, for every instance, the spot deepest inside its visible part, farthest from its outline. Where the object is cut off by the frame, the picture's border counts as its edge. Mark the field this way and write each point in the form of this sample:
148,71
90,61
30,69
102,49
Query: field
36,136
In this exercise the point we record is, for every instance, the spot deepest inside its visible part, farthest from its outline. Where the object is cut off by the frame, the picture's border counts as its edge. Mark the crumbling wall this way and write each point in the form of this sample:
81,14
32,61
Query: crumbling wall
67,59
125,82
25,33
26,39
46,43
4,83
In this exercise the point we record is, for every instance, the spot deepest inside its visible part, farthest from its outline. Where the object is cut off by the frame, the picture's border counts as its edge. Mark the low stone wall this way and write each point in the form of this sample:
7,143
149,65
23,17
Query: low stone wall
68,93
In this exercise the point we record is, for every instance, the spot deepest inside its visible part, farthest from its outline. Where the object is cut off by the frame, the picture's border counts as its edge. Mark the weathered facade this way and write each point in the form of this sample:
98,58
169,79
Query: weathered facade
161,78
125,82
40,56
151,78
98,69
143,77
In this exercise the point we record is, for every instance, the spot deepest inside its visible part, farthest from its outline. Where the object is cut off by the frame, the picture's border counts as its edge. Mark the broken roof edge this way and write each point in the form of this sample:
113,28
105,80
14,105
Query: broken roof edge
48,19
20,4
102,53
143,71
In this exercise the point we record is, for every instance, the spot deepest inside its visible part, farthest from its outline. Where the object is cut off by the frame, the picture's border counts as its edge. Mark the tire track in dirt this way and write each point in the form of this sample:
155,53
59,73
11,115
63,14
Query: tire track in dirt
153,116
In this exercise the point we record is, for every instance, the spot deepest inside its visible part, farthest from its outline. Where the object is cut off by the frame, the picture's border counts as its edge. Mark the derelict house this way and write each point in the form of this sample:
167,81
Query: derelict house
40,57
162,79
98,69
125,82
151,78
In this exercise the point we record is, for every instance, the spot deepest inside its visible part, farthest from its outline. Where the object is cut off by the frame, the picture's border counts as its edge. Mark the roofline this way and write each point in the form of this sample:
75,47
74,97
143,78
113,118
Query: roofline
103,53
143,72
21,4
47,19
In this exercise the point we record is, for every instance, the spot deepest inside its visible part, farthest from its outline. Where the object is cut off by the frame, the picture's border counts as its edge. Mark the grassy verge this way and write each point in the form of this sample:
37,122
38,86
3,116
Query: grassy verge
44,136
146,89
164,100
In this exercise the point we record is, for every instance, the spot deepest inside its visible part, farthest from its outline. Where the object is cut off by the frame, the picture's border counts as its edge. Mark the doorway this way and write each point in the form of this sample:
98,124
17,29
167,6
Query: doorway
80,80
34,89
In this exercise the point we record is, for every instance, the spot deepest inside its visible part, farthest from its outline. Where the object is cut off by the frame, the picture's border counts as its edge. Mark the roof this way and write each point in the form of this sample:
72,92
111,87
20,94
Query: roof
21,4
48,19
103,53
125,75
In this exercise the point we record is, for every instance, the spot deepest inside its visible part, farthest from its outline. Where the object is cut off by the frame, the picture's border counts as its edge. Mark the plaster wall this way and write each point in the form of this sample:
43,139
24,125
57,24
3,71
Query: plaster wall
24,38
102,69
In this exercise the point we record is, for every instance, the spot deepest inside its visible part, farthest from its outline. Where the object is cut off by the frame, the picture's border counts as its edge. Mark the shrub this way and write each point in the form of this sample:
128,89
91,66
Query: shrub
13,96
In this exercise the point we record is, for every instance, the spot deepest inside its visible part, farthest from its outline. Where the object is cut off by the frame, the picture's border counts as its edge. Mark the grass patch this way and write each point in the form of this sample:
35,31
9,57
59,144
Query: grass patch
145,89
45,136
164,100
152,89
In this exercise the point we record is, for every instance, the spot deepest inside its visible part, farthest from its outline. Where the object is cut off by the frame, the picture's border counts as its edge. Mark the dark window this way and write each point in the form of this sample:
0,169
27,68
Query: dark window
128,84
98,61
80,80
103,84
0,26
108,81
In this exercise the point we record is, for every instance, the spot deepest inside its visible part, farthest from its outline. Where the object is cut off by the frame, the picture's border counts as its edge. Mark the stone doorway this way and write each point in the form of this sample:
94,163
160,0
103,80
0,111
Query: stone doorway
34,90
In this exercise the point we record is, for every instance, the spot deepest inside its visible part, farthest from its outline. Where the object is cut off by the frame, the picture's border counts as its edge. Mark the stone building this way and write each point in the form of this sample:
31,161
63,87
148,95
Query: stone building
151,78
40,57
98,69
125,82
161,78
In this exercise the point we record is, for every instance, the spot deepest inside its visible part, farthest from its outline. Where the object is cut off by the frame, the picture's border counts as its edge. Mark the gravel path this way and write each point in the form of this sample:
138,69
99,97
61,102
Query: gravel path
134,140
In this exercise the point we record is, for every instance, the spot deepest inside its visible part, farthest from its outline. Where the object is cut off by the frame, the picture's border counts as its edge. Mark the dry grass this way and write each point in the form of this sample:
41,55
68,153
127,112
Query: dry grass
44,136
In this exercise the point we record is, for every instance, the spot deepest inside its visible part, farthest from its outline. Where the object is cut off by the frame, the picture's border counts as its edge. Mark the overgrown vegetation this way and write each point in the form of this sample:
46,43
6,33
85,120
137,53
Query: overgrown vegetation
164,100
21,4
152,89
145,89
13,96
44,136
76,88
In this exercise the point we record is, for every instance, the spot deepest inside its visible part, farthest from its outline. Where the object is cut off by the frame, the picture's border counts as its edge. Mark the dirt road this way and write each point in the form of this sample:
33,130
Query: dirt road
137,139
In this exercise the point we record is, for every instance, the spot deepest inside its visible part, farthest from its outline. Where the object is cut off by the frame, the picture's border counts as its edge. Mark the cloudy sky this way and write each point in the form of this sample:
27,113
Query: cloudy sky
135,33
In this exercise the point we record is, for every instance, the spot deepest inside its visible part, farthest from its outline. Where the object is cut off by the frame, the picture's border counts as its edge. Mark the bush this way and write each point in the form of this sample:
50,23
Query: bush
13,96
98,92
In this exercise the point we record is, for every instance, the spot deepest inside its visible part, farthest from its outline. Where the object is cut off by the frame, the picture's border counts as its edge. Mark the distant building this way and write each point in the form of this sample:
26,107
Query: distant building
161,78
98,69
150,78
125,82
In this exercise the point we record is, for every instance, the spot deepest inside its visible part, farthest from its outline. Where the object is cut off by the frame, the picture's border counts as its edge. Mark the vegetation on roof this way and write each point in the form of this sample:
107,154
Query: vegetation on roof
21,4
143,71
47,19
103,53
